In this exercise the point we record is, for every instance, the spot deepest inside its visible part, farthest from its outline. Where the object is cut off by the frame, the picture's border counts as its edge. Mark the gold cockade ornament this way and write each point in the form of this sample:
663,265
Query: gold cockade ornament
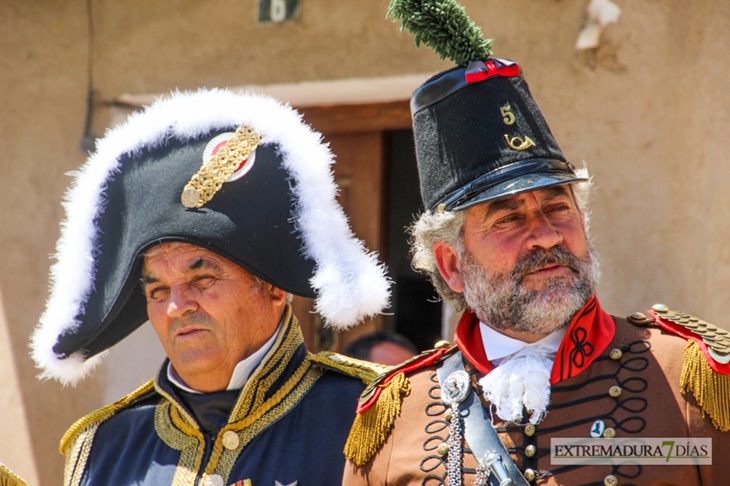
210,178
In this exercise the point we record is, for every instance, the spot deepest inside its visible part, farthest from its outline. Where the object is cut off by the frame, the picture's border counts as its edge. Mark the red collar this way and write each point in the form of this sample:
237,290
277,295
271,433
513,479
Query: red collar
589,333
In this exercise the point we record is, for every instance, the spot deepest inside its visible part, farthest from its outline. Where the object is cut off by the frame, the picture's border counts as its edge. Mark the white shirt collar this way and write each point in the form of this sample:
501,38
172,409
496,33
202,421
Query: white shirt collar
241,372
498,345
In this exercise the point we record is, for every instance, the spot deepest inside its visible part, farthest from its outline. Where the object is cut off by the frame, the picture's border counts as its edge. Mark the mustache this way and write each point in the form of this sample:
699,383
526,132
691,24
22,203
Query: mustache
539,258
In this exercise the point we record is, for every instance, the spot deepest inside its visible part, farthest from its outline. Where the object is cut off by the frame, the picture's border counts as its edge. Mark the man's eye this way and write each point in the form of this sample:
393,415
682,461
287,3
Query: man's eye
562,207
507,220
204,281
156,294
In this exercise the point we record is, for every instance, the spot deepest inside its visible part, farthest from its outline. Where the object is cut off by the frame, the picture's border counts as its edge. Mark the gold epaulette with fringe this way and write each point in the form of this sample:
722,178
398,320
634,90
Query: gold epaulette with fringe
95,418
357,368
380,404
706,367
9,478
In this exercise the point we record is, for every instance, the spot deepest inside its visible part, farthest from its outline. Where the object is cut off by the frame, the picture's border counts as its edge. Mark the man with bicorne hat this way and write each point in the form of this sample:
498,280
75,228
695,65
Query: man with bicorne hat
203,214
542,386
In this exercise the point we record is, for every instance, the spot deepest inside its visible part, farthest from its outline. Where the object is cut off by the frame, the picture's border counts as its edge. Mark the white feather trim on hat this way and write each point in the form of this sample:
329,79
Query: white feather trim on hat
349,282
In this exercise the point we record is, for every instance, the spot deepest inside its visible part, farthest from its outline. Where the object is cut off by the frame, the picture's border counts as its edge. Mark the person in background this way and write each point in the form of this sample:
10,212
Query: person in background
382,347
203,215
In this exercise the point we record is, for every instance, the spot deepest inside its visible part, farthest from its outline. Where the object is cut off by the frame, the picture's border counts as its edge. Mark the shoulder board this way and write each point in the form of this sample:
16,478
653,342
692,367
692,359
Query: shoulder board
371,394
364,370
712,340
706,367
380,404
99,416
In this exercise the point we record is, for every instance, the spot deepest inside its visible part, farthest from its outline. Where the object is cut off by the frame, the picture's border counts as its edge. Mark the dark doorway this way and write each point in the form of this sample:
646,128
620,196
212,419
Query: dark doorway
416,310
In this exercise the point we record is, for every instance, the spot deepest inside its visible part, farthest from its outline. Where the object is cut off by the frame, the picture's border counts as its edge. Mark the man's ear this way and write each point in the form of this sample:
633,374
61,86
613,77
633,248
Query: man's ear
447,261
278,296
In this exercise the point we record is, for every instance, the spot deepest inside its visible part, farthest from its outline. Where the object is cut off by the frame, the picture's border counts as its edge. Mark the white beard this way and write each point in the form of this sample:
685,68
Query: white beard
521,381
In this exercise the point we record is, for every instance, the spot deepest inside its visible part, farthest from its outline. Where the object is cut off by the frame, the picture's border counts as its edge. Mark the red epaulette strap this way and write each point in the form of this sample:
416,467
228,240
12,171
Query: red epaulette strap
706,367
379,406
372,392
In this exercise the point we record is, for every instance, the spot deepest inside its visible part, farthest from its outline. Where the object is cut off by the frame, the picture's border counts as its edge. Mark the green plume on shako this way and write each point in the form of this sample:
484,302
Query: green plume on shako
444,26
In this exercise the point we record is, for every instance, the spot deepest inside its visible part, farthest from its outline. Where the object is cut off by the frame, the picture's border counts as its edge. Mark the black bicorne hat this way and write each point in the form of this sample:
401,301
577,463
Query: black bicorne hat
479,133
240,175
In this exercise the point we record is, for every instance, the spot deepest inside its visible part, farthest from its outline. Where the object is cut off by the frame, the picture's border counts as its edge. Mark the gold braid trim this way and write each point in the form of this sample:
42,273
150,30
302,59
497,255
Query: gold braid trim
371,428
222,460
710,389
272,367
210,178
252,413
175,430
9,478
364,370
101,415
76,460
76,442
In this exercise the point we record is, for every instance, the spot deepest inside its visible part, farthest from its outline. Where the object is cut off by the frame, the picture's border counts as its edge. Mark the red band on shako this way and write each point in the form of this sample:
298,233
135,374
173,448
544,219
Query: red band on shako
479,71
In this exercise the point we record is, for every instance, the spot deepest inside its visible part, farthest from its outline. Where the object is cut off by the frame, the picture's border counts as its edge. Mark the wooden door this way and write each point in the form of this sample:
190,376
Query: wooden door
357,135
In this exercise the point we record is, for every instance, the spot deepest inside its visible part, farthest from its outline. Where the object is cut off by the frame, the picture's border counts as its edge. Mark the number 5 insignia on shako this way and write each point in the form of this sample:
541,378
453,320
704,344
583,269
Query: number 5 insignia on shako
515,143
226,158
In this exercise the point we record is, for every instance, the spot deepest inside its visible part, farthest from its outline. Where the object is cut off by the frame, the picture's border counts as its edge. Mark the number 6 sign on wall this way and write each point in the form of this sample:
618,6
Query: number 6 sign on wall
278,11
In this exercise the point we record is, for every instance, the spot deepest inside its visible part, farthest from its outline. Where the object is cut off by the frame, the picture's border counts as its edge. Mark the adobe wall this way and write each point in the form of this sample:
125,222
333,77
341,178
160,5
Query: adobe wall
650,118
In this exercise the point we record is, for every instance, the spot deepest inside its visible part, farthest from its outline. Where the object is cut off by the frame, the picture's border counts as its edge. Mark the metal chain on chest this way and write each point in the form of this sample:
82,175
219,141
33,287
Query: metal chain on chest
454,466
453,391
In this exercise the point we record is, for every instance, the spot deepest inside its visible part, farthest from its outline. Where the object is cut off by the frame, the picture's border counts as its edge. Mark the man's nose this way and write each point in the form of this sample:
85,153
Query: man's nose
181,301
543,234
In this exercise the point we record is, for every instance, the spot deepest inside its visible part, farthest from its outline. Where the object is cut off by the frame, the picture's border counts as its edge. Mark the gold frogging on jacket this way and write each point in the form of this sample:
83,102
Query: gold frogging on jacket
210,178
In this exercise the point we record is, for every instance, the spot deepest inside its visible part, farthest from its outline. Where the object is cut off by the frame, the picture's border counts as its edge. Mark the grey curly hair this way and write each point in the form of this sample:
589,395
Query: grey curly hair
447,227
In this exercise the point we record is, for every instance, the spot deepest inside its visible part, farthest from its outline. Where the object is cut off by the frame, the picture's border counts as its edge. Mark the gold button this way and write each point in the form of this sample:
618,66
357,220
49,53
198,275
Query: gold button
660,308
231,440
441,208
448,415
443,448
213,480
529,475
529,430
530,450
610,480
609,433
616,353
442,344
615,391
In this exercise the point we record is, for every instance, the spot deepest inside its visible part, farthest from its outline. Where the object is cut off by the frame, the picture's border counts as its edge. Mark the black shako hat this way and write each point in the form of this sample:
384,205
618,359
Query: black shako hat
240,175
479,134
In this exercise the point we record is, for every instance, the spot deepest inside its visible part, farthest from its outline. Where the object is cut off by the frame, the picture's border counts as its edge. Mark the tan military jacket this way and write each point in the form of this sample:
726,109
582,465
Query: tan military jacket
632,385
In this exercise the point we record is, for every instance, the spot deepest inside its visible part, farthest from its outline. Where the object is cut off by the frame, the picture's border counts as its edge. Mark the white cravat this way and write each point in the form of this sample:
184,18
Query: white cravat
521,379
499,346
241,372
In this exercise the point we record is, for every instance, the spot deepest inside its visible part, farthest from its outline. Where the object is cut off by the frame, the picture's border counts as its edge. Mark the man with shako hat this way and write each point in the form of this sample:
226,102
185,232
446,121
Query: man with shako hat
203,214
542,385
